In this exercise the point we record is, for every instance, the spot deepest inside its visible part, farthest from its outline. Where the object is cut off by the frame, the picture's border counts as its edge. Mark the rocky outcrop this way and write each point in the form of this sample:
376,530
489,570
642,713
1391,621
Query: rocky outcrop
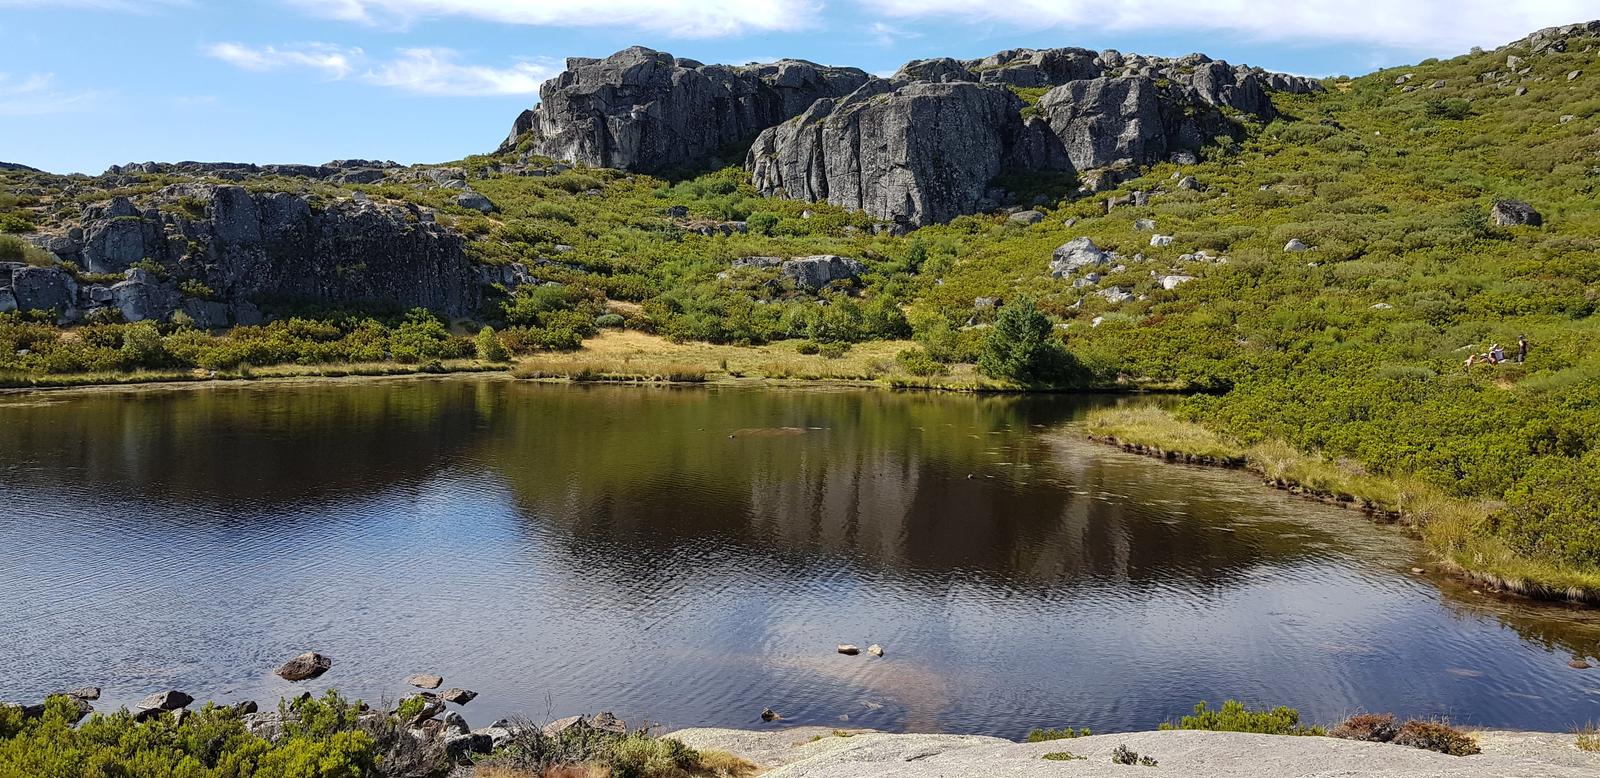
1513,213
215,251
912,154
928,145
645,110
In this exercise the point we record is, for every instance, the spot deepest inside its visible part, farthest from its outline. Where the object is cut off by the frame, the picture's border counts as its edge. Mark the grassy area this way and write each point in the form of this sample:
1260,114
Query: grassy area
1458,531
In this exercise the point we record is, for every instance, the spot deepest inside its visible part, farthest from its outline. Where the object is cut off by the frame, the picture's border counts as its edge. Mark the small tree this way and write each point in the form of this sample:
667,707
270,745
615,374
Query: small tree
490,349
1022,346
142,346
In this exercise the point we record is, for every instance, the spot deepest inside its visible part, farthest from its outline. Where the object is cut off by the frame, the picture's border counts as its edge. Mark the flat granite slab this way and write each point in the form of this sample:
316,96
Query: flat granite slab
816,752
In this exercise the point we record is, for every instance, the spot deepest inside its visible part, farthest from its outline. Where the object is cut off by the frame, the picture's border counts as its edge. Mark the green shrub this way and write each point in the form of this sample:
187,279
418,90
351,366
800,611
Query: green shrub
489,347
1233,716
1045,735
917,362
194,287
1122,755
1022,347
321,739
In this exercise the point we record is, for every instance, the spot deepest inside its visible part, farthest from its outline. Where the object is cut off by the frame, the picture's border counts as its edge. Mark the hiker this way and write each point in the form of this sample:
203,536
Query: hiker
1471,360
1522,349
1496,354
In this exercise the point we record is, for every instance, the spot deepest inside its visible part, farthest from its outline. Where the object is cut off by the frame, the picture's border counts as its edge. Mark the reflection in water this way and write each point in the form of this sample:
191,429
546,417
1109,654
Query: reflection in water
691,556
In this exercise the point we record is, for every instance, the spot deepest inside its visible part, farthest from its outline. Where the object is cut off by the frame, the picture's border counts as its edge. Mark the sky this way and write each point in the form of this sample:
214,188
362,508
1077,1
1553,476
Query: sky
85,84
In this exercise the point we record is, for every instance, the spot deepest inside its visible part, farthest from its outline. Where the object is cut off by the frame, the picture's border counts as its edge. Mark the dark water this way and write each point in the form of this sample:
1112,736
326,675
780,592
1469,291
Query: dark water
692,556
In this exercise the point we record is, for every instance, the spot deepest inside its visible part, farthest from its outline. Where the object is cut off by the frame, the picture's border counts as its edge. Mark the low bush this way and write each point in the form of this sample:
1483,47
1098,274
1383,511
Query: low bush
1122,755
1369,727
1436,736
1233,716
1045,735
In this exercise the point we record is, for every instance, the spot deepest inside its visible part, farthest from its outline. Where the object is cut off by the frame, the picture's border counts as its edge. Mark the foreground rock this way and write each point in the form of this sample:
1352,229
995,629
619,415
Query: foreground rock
646,111
816,752
305,667
166,701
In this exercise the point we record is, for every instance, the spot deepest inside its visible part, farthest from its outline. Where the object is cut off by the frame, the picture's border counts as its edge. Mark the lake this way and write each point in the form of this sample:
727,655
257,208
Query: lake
690,556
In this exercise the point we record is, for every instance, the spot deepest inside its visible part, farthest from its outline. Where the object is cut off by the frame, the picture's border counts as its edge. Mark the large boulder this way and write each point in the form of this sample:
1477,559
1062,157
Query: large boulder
1075,255
1512,213
45,289
813,273
915,154
167,700
644,110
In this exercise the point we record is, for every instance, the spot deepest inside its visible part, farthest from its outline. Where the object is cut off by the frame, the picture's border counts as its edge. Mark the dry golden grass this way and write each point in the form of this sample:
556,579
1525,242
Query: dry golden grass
1588,737
625,354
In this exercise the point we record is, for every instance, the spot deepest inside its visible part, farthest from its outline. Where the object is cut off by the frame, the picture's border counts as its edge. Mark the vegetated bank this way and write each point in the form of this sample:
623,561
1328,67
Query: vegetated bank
1317,275
331,737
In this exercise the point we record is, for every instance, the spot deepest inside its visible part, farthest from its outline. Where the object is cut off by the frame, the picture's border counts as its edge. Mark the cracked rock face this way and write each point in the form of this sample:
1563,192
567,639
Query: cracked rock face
643,110
917,153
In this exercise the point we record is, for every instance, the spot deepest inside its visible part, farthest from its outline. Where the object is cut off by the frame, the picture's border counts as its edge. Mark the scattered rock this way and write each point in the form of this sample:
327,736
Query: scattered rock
1026,217
606,721
1573,76
476,201
1382,307
875,649
1417,571
84,692
849,650
425,681
1509,213
1189,183
305,667
1295,245
770,715
1144,225
458,696
246,707
1173,281
455,724
1157,241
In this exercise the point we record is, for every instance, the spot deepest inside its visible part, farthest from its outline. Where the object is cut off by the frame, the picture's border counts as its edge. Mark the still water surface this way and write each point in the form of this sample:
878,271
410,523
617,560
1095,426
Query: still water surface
693,556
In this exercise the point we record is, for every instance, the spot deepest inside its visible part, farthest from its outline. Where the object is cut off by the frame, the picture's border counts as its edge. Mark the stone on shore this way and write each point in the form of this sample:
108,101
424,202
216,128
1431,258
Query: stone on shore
305,667
167,700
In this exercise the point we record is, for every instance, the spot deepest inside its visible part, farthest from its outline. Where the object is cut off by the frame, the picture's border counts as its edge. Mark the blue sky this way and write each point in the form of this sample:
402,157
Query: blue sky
89,83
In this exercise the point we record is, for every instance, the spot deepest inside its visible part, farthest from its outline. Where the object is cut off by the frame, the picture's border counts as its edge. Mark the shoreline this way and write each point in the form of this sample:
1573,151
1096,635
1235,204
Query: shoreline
1443,523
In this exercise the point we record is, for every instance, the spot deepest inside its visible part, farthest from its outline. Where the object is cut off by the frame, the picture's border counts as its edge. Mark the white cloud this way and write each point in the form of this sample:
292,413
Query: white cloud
335,62
887,35
435,72
425,71
680,18
1432,26
36,93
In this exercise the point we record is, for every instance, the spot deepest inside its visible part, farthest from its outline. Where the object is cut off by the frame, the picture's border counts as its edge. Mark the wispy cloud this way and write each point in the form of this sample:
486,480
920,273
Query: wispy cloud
679,18
436,72
1432,26
887,35
36,94
334,62
425,71
102,5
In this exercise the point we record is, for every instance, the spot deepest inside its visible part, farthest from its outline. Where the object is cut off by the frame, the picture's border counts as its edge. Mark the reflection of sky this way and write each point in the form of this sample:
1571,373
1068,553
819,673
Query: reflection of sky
1061,584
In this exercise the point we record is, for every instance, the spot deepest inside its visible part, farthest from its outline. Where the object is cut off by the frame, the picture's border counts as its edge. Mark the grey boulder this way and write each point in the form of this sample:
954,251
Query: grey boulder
1511,213
1074,255
813,273
305,667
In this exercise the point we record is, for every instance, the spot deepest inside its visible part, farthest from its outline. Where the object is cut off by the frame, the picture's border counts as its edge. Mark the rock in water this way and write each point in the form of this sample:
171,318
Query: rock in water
770,715
168,700
85,692
305,667
458,696
646,111
1511,213
425,681
875,649
849,650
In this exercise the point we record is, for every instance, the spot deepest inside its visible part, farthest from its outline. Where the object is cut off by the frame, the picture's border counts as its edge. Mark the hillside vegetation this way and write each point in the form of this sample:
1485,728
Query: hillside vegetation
1352,350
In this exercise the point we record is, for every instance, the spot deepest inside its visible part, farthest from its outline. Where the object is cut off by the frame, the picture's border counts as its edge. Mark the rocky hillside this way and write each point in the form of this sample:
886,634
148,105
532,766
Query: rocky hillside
920,148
